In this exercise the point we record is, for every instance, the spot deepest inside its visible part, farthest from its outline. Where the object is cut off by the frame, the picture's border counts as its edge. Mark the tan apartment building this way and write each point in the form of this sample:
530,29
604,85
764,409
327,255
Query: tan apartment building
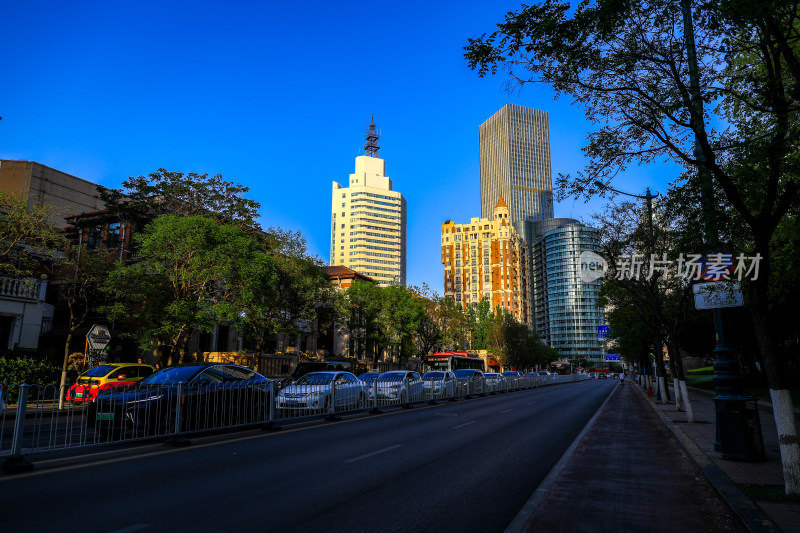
69,194
486,258
368,220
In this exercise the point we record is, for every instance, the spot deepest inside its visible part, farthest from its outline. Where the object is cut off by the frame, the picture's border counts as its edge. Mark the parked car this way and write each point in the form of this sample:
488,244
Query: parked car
398,385
306,367
369,377
515,379
104,377
495,382
471,381
316,391
439,384
213,395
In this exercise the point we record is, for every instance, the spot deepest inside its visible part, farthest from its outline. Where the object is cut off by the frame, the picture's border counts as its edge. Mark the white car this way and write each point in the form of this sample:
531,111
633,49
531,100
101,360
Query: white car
439,384
495,382
401,386
318,391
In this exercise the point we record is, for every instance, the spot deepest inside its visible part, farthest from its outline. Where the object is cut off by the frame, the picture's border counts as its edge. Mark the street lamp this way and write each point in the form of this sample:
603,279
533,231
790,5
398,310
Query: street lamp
738,434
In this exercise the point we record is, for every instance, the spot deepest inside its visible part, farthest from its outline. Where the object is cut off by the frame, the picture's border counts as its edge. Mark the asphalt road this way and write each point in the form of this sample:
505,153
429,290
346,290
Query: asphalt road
464,466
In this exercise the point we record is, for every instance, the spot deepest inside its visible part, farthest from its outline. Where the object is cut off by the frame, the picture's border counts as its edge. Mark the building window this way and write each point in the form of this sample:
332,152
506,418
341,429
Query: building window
93,239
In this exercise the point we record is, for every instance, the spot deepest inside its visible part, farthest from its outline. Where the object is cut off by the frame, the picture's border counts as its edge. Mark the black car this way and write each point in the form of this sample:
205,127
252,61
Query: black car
211,395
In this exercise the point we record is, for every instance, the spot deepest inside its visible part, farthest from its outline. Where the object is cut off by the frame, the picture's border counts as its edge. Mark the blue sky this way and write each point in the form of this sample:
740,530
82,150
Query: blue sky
276,97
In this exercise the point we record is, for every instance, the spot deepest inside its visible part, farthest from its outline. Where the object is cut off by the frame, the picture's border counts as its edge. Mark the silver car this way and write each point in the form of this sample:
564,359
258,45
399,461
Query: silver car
439,384
398,386
470,381
495,382
323,392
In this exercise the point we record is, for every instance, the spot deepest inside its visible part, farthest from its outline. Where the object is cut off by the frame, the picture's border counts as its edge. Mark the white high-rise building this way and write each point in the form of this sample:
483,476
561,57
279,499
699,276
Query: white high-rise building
368,220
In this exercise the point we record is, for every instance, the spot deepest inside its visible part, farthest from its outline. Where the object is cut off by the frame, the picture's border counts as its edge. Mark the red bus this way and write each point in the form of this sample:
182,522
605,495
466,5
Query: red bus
452,361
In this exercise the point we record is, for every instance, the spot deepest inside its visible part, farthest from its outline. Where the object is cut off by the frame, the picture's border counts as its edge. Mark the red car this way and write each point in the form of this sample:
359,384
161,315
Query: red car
105,377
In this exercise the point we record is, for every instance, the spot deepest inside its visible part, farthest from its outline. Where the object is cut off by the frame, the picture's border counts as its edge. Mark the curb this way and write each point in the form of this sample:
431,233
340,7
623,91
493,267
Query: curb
748,513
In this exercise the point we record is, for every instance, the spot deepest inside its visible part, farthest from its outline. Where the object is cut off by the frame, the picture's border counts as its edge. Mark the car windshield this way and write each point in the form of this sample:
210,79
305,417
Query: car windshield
510,374
433,376
322,378
369,377
491,376
99,371
172,375
392,376
464,373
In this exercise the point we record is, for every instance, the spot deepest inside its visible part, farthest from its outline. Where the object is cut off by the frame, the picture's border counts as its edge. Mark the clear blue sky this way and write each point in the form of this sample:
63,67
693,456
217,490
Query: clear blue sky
276,97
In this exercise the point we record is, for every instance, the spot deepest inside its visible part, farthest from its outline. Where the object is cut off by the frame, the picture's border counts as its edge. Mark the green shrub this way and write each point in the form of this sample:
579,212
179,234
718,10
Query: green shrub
700,371
14,372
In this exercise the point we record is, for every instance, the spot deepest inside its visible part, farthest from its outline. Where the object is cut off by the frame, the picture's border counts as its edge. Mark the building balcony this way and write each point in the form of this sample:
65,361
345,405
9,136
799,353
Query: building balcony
22,289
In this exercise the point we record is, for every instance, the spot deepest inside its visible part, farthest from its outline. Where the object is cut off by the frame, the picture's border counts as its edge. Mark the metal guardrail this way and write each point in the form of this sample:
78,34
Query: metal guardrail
36,423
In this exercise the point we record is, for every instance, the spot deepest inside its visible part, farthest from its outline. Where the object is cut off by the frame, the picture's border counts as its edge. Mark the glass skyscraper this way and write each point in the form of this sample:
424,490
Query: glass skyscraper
565,307
515,163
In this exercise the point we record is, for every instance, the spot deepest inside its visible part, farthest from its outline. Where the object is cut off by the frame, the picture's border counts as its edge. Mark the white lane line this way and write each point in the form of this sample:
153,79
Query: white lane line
506,411
131,528
464,424
354,459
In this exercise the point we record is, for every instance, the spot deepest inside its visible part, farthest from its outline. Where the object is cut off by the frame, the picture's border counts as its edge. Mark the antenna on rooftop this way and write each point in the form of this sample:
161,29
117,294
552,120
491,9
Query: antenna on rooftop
372,137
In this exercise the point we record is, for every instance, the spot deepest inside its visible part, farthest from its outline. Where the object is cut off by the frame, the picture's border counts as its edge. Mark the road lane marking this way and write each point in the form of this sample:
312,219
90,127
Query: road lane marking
506,411
464,424
131,528
354,459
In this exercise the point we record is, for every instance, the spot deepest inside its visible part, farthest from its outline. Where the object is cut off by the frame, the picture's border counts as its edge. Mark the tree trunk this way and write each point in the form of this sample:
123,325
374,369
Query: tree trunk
687,402
63,384
774,367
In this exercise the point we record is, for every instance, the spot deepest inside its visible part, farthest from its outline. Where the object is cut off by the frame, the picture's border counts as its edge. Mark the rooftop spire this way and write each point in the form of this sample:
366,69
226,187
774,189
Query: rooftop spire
372,137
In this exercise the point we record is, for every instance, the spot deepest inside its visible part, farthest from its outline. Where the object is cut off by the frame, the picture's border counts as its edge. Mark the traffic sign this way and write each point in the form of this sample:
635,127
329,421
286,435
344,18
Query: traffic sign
613,357
98,337
717,294
602,332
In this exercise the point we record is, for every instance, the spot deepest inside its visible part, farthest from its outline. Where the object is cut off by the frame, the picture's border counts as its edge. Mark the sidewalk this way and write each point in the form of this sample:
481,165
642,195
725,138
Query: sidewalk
737,477
640,467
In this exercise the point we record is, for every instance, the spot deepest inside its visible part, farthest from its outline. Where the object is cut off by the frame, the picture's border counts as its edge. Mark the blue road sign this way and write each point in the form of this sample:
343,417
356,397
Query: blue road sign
613,357
602,332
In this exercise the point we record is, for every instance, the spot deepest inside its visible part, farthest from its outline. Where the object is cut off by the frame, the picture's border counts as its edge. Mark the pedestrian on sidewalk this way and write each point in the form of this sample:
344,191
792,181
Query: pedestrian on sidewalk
621,378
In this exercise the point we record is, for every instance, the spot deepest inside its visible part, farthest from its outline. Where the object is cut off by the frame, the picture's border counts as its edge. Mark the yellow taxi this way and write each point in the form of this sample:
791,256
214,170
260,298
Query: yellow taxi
105,377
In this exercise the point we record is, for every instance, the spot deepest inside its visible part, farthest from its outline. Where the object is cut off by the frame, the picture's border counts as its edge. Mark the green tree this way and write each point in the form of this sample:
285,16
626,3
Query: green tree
480,316
364,300
81,276
141,199
190,273
286,295
658,93
26,235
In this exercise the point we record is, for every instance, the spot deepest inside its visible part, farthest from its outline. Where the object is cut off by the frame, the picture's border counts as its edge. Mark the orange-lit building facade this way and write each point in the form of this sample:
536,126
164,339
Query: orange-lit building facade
486,258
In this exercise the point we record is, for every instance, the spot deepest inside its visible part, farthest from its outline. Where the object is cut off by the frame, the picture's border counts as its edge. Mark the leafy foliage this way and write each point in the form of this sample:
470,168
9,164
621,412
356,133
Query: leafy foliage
144,198
25,234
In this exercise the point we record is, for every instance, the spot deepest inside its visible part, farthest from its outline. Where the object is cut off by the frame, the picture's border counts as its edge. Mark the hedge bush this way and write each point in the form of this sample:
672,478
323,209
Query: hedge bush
14,372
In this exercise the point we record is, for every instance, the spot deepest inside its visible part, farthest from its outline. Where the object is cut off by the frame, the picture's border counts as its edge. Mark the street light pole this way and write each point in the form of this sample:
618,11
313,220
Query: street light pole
730,403
648,198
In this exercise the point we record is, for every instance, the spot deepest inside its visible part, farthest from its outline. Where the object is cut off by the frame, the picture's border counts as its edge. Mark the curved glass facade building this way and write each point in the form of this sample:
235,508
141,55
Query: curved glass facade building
565,308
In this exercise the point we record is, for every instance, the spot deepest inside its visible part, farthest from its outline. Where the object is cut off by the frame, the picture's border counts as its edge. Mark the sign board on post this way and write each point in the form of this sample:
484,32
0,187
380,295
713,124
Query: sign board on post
717,294
613,357
602,332
98,337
